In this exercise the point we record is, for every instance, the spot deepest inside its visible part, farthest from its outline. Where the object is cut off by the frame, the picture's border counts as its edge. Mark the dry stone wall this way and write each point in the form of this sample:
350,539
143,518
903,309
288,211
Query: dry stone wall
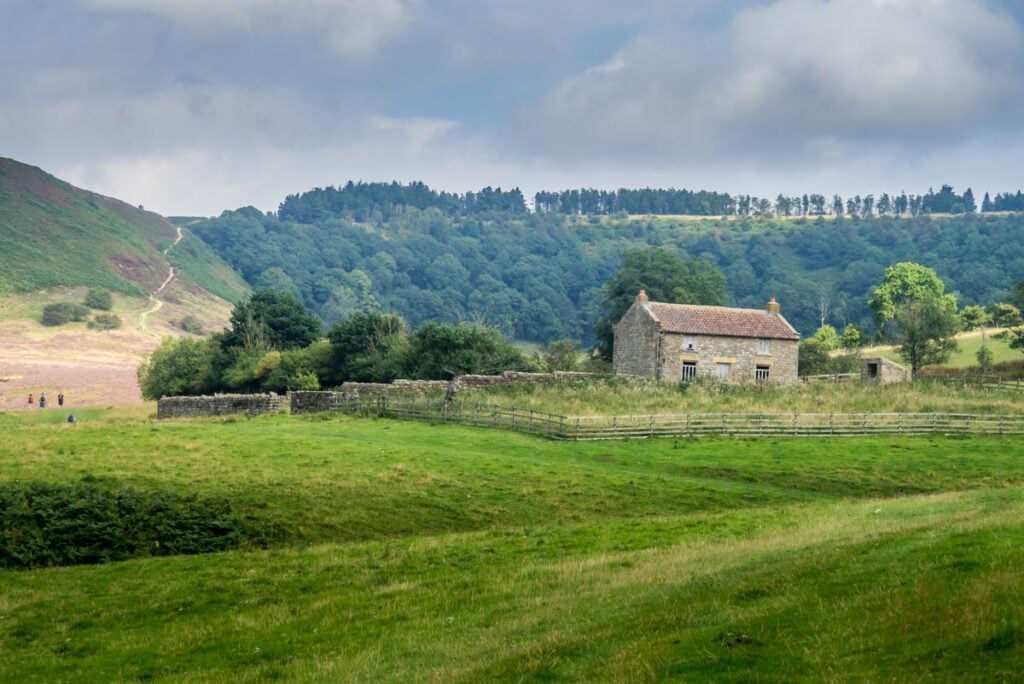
311,402
314,402
217,405
464,382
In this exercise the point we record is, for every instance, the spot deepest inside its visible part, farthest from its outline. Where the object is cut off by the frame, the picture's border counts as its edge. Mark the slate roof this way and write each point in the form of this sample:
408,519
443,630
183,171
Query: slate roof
690,319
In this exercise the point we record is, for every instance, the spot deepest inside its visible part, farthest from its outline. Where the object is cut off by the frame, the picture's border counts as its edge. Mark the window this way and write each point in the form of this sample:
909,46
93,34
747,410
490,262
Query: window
689,342
761,373
689,370
722,370
764,346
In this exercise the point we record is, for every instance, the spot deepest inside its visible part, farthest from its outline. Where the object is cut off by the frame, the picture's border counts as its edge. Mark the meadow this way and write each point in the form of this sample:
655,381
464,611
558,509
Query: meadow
392,551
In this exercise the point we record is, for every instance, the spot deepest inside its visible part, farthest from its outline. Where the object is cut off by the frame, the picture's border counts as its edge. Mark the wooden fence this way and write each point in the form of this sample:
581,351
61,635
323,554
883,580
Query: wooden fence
557,426
976,380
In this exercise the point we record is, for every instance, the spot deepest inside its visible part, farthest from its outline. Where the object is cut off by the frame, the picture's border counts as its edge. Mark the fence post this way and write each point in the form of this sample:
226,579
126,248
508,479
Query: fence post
830,429
650,427
561,427
577,428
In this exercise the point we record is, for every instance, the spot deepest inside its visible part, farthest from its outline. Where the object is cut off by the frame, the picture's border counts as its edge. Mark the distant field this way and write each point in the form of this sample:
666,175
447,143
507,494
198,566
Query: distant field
402,551
966,356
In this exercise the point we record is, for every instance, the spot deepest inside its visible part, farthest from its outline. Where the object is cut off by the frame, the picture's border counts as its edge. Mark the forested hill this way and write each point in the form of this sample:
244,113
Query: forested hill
378,201
539,276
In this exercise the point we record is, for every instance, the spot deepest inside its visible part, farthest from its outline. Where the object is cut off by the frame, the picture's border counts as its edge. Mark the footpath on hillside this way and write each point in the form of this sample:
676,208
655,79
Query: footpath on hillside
154,296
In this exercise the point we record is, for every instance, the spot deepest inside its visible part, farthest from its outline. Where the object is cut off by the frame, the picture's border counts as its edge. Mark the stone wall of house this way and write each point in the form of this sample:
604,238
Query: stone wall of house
217,405
886,371
635,350
741,353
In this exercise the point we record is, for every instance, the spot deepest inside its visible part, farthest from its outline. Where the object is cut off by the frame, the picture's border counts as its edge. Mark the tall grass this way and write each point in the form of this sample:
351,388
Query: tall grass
630,396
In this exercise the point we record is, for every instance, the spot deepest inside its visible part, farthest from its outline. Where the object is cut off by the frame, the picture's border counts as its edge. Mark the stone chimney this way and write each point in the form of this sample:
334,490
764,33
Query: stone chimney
773,306
641,297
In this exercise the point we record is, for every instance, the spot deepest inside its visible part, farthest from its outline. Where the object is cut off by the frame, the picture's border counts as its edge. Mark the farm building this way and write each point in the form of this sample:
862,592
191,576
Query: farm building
675,342
883,371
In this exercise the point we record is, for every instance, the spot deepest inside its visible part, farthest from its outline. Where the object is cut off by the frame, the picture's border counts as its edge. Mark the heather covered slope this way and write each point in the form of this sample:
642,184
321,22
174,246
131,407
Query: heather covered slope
56,242
53,234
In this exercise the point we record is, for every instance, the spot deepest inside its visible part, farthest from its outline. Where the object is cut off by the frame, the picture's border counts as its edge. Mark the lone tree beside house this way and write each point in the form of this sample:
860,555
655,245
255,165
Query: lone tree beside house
666,277
913,307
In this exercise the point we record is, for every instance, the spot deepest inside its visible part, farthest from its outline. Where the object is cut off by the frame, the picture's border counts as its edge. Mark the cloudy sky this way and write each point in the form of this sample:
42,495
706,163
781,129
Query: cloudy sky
195,106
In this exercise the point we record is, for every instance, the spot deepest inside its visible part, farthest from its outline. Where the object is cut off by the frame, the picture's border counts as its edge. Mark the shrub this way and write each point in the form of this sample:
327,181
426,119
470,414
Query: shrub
99,299
92,521
560,355
64,312
105,322
191,324
441,351
179,366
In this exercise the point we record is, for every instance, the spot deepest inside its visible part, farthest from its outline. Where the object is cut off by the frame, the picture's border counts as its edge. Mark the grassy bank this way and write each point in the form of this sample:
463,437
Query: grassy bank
407,551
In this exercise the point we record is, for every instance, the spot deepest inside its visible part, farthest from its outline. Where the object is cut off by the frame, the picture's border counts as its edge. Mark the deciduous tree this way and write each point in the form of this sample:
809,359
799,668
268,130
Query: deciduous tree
666,276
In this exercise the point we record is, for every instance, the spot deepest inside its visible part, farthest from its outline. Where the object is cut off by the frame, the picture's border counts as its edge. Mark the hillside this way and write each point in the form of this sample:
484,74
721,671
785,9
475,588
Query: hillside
540,276
56,241
53,234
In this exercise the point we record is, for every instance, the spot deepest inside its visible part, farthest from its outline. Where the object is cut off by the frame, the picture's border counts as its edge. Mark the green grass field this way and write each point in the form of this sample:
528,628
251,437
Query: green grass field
402,551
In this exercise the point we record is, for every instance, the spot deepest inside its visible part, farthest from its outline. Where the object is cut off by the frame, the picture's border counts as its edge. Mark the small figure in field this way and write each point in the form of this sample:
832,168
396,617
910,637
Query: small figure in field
30,400
72,419
60,400
42,400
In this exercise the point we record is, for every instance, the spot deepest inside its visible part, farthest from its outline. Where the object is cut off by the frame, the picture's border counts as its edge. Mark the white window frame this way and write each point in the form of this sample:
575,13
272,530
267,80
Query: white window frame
723,370
689,371
764,346
690,342
762,373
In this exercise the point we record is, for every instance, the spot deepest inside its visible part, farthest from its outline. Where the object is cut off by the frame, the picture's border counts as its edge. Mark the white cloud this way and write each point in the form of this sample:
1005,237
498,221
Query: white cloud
790,78
352,28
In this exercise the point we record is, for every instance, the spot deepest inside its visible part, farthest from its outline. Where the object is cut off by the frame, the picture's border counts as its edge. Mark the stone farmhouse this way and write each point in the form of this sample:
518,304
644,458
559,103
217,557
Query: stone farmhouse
679,342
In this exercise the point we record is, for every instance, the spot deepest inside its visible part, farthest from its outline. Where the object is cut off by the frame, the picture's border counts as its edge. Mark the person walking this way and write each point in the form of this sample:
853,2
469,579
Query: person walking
42,400
30,400
60,400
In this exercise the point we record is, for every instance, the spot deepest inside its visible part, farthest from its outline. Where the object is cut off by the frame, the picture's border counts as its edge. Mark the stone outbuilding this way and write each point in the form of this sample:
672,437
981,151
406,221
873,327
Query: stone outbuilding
679,342
883,371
